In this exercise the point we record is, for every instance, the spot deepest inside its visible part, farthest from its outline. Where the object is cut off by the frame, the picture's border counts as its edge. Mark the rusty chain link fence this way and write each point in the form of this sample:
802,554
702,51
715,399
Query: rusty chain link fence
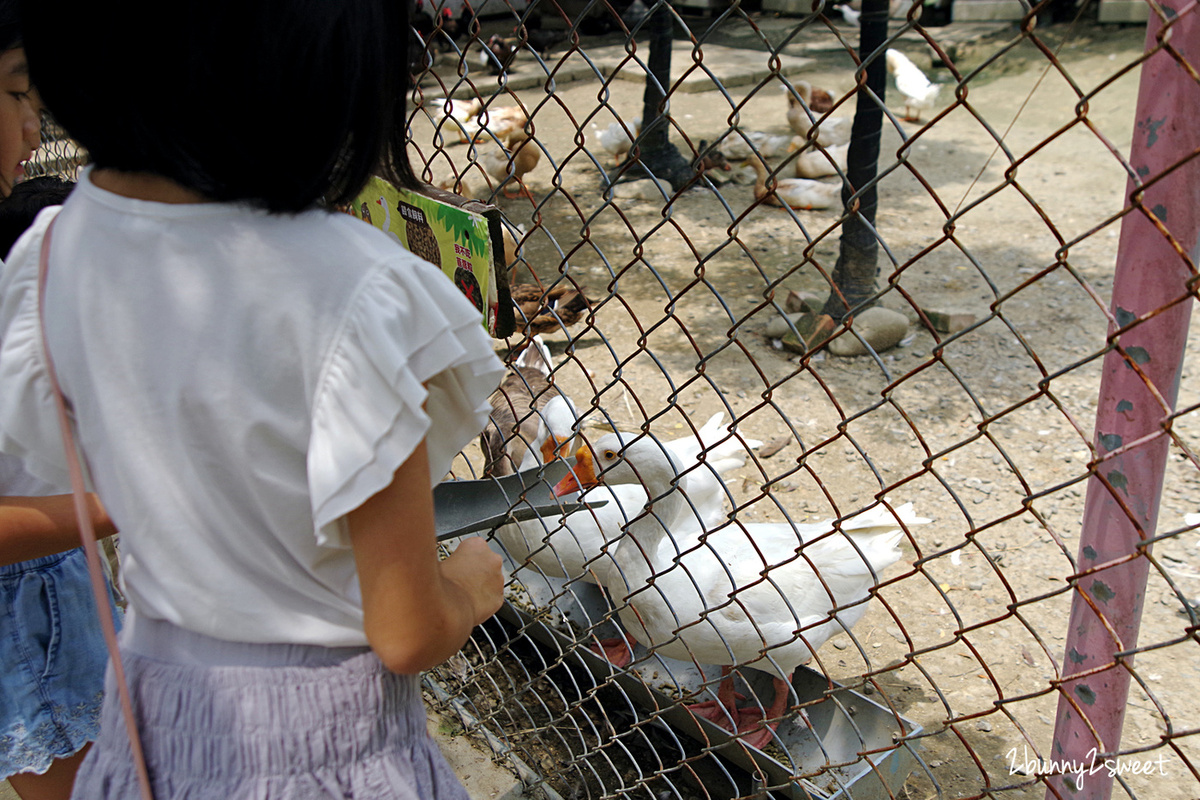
58,155
947,462
907,302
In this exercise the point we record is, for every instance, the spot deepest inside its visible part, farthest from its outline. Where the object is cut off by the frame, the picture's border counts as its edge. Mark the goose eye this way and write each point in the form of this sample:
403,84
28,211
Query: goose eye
609,455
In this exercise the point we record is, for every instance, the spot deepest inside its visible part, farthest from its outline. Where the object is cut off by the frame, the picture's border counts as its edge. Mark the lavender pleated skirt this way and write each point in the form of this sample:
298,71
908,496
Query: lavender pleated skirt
350,729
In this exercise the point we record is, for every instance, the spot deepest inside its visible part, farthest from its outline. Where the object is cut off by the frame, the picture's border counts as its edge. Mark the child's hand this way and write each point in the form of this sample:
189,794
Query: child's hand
480,573
418,610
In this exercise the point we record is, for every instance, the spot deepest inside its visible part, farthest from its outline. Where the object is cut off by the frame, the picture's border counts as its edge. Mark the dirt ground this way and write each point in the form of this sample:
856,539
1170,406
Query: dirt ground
961,428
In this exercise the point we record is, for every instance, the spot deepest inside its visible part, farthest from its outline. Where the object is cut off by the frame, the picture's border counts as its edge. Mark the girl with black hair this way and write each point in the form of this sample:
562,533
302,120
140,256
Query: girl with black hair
53,655
264,391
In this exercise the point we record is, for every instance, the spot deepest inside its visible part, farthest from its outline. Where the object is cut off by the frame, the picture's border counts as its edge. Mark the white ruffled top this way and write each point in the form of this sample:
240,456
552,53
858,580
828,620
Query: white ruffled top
240,381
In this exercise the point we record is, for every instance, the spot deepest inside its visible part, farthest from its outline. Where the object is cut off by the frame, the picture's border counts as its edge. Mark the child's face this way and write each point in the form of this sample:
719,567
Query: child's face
20,121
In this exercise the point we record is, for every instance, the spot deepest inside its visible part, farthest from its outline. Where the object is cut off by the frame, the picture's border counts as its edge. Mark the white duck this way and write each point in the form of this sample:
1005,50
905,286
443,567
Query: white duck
817,99
911,82
832,131
509,164
501,122
821,163
457,116
802,115
765,595
572,546
794,192
703,481
767,145
618,137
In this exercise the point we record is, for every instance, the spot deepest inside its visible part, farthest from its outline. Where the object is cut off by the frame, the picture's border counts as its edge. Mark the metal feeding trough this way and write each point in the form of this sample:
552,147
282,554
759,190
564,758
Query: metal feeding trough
470,506
840,745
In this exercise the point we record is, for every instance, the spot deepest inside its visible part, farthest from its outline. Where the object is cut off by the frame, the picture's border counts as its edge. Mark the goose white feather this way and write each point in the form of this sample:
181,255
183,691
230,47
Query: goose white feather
536,356
912,83
794,192
501,122
557,421
618,137
740,595
833,131
531,419
767,145
572,546
459,115
822,163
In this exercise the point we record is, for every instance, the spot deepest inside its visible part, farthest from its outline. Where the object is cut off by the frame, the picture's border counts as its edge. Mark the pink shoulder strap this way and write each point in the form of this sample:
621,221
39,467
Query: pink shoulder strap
88,534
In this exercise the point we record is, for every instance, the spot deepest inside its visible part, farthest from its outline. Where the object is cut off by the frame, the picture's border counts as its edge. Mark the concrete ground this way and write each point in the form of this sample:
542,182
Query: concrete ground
474,763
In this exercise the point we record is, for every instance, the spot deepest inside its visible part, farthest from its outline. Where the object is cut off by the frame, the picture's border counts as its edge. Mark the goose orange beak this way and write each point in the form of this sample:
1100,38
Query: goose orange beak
583,476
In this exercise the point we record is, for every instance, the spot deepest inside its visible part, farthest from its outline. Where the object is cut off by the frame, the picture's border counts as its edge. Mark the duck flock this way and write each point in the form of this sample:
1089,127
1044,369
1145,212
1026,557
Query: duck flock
816,148
686,580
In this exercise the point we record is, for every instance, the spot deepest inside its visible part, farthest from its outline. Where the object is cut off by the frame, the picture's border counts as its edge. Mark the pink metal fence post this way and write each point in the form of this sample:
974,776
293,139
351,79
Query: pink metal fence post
1137,396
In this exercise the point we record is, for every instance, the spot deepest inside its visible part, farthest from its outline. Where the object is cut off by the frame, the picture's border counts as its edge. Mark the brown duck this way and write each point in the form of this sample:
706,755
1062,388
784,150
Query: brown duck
543,310
509,165
531,421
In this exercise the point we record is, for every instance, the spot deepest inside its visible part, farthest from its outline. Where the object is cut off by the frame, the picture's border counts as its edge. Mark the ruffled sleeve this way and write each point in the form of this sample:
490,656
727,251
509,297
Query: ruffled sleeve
407,328
28,420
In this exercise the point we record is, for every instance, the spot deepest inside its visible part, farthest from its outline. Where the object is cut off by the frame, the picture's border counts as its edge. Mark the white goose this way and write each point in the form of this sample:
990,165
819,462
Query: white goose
793,192
830,131
572,546
765,595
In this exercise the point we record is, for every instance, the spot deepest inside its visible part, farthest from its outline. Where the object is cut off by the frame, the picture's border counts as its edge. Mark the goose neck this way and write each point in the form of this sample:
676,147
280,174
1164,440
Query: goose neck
652,523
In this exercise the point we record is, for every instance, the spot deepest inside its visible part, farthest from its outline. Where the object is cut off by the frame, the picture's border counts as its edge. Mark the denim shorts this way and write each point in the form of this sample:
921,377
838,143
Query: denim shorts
52,660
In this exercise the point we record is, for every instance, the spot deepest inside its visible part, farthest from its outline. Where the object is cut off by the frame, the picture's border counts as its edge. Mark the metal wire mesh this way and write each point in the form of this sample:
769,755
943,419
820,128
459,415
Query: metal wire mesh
58,154
974,396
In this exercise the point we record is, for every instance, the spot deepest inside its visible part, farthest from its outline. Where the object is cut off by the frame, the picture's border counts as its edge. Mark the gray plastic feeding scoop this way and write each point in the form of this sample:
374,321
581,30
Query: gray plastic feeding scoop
461,507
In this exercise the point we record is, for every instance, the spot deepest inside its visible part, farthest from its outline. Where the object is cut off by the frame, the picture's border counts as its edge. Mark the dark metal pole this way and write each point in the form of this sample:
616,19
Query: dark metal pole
653,153
857,264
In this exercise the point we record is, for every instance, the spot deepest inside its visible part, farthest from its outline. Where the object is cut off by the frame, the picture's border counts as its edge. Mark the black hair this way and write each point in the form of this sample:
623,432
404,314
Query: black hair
281,103
10,24
27,198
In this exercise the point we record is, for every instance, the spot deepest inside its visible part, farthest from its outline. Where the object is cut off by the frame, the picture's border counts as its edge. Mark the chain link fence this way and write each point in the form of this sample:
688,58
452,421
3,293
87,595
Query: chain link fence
1001,350
931,415
58,155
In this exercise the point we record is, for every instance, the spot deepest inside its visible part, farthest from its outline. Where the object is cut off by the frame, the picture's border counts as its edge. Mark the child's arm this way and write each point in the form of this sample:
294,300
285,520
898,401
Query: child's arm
418,610
32,527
